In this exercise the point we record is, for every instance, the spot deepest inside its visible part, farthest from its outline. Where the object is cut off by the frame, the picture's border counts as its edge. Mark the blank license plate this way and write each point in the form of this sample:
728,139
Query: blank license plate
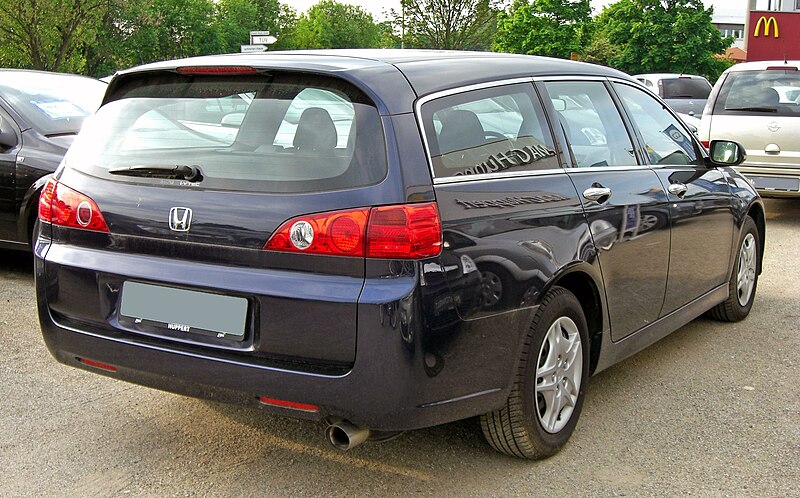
185,311
771,183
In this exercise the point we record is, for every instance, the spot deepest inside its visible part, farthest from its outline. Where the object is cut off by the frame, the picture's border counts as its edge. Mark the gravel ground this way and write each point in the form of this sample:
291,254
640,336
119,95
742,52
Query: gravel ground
712,410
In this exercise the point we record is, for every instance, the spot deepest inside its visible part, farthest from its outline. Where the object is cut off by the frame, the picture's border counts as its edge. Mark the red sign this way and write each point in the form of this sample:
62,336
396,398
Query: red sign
773,36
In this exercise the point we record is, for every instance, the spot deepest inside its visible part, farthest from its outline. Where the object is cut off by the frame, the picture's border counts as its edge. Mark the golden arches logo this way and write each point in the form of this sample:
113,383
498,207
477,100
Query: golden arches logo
766,22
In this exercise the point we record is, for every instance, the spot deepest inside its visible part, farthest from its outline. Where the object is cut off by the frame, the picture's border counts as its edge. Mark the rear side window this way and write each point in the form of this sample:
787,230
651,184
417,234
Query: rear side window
760,93
488,131
685,88
268,133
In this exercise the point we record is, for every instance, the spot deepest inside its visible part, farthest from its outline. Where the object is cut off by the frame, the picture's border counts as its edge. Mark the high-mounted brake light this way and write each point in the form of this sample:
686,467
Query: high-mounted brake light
63,206
781,68
228,70
405,231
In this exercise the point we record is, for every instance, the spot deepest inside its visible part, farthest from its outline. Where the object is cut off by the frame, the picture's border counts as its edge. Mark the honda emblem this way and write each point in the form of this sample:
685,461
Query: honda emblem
180,219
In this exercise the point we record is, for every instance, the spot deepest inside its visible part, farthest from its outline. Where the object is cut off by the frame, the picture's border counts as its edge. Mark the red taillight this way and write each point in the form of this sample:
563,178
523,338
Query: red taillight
226,70
288,404
406,231
63,206
339,233
705,143
97,364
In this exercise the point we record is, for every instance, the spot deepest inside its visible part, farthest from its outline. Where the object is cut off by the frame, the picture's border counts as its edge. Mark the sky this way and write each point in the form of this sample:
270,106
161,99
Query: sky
721,7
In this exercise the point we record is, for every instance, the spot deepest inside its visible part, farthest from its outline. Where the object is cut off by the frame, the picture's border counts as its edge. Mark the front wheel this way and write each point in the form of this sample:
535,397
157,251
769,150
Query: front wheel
744,278
546,399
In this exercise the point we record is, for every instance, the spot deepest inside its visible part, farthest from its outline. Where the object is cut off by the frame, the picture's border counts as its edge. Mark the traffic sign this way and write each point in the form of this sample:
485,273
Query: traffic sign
250,49
263,39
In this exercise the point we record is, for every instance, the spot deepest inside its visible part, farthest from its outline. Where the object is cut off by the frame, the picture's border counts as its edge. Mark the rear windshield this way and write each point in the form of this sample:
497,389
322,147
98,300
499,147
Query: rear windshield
760,93
54,104
266,133
685,88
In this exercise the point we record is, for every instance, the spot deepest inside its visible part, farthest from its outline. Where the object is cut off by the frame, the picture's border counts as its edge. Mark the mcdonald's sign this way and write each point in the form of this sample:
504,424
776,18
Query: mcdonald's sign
765,42
766,23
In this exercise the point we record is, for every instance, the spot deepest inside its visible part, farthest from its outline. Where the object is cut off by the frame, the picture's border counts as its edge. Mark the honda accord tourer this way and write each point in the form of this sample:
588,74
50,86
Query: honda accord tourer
388,240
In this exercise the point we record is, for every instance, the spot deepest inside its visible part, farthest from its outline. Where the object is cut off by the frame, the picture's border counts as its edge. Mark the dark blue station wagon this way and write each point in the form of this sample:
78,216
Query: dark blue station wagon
388,240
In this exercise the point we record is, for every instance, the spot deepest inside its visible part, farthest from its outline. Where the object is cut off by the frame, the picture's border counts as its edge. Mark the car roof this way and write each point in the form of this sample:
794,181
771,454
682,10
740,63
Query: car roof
662,76
398,77
761,65
13,77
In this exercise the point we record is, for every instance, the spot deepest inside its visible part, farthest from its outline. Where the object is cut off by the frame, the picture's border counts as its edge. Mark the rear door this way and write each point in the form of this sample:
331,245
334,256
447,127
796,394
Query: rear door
625,203
265,149
8,168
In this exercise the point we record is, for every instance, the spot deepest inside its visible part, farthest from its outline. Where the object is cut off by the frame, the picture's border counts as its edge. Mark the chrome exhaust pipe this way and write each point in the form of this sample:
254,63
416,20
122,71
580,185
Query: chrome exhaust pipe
343,435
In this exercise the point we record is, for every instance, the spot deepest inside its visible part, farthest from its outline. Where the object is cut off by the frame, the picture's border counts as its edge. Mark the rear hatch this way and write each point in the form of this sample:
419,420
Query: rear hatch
761,110
185,176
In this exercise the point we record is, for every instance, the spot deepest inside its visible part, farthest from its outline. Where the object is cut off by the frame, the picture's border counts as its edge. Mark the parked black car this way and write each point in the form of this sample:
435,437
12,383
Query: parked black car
40,114
388,240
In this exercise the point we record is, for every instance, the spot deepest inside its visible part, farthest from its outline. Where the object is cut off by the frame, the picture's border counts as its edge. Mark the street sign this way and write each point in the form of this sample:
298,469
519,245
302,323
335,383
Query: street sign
259,33
250,49
263,39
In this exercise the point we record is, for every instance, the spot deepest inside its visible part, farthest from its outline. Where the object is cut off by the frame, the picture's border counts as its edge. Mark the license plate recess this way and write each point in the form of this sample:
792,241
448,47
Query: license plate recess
184,311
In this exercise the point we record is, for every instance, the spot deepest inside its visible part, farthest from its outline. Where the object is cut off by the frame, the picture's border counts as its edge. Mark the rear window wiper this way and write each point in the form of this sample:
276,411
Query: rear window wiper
190,173
752,109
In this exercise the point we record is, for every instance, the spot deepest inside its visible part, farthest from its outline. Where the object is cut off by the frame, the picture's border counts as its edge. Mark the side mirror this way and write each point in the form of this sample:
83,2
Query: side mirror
726,153
8,138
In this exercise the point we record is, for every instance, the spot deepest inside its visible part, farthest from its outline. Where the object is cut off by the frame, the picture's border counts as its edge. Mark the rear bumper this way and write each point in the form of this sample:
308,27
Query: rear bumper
773,181
406,375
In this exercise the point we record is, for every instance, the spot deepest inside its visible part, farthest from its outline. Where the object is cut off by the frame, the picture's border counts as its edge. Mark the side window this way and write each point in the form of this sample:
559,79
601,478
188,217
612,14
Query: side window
591,121
488,131
666,140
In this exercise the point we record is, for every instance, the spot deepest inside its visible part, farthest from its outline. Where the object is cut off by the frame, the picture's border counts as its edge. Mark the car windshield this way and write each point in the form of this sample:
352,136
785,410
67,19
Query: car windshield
287,133
685,88
53,104
770,91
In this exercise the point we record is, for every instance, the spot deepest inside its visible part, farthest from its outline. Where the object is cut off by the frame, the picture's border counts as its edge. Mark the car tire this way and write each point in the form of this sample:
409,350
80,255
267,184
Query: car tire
546,398
744,277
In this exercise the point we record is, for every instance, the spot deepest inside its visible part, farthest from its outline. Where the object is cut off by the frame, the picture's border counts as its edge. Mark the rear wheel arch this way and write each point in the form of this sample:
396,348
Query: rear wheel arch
586,289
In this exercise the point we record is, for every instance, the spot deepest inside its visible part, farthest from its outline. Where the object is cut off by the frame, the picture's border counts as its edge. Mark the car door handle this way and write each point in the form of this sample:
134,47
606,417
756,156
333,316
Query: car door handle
599,194
677,189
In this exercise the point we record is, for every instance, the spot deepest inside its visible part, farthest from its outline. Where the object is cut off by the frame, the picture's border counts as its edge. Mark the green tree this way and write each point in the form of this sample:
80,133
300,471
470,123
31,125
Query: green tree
152,30
330,24
48,34
663,36
553,28
447,24
234,19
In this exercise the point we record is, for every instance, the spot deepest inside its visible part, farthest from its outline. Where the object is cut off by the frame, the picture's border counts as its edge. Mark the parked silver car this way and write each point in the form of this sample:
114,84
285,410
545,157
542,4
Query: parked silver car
758,105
